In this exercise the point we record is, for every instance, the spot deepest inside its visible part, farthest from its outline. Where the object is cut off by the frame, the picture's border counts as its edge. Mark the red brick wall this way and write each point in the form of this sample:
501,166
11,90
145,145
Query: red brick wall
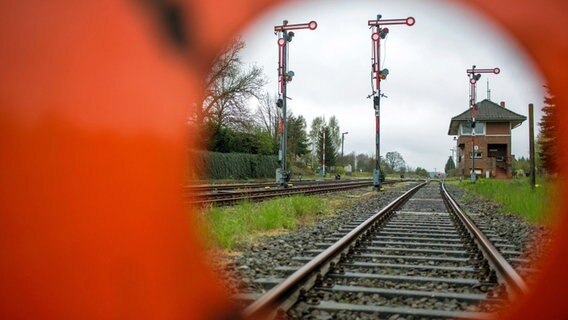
485,163
497,128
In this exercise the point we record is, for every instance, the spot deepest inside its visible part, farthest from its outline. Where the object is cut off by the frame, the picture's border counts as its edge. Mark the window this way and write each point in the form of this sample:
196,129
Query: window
465,128
478,155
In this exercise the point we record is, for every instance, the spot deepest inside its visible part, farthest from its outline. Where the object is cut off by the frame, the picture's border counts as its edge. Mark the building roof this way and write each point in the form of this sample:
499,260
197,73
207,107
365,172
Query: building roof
487,111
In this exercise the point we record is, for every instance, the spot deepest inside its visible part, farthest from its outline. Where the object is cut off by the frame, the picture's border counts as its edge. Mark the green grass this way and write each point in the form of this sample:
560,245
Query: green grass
516,196
229,226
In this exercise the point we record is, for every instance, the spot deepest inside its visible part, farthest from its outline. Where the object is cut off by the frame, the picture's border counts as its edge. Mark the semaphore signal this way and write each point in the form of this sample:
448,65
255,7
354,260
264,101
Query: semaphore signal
378,74
285,36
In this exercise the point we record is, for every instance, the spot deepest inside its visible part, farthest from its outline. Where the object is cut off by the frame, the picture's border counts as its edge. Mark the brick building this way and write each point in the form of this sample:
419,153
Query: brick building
492,137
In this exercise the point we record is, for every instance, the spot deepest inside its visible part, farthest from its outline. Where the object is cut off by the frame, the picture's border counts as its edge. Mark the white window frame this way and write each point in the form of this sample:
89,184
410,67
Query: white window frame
478,155
483,132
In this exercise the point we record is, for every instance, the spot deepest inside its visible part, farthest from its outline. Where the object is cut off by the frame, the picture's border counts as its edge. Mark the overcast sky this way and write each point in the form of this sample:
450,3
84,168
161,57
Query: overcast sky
427,84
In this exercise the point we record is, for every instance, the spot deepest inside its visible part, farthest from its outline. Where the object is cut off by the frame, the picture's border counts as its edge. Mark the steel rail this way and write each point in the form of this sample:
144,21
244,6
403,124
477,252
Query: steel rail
504,271
300,280
252,185
282,191
258,195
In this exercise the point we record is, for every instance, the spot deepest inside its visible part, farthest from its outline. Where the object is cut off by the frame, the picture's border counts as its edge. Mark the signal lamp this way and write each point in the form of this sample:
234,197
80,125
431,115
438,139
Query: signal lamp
288,36
279,103
289,75
383,73
384,32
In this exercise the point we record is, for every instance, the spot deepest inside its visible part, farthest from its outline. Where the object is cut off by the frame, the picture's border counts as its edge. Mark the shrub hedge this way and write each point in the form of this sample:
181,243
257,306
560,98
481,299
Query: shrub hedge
216,165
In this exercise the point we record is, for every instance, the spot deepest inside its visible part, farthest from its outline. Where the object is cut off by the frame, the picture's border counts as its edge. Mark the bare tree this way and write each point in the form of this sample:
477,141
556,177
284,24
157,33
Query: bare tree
315,131
335,131
267,116
227,90
395,161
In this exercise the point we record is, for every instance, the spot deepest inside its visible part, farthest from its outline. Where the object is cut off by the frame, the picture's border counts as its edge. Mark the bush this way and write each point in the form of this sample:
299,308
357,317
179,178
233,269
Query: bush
215,165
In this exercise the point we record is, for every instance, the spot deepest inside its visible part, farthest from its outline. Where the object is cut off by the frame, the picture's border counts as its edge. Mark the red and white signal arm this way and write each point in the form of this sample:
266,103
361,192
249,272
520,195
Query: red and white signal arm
312,25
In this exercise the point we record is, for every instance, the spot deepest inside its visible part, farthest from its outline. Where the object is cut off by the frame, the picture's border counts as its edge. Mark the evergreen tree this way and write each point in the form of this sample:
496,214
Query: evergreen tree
450,166
332,139
547,138
325,138
297,136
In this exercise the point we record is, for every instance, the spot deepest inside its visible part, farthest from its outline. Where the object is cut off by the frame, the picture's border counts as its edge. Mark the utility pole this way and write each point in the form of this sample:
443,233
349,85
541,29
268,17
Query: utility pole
531,145
323,148
378,32
474,75
284,76
342,138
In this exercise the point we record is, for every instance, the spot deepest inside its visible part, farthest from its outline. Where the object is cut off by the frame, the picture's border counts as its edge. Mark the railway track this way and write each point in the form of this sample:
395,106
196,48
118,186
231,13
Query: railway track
203,188
419,257
260,192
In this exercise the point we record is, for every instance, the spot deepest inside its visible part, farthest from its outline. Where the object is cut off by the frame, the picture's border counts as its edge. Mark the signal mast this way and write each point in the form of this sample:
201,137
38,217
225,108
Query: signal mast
474,75
378,33
285,36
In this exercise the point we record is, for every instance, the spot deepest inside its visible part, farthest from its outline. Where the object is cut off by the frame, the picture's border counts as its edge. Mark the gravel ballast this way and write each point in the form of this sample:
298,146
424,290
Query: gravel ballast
275,257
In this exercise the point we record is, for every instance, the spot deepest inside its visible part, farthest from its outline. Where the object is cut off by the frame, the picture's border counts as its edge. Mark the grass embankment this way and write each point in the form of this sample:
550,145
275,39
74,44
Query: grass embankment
516,196
229,225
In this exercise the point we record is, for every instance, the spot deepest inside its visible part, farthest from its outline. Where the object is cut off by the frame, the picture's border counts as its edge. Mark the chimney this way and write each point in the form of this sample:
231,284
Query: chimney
502,104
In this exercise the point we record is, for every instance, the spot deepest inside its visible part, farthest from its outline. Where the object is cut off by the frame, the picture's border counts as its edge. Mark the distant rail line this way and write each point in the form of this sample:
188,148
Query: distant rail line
226,194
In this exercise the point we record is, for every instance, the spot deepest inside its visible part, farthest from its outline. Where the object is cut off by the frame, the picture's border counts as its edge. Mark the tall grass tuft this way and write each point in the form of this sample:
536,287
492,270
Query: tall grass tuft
229,225
516,196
